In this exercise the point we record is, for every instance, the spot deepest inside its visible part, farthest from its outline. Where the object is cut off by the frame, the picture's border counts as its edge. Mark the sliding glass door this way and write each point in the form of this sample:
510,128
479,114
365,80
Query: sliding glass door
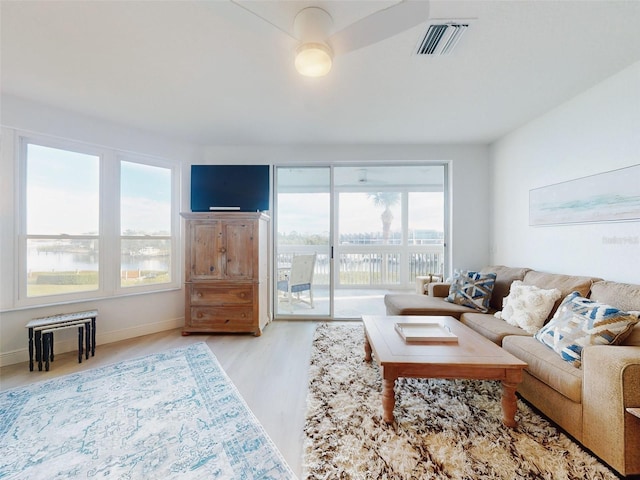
373,229
302,246
390,229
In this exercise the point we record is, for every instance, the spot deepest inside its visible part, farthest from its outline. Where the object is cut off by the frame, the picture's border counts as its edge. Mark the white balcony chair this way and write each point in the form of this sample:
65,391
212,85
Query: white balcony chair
298,279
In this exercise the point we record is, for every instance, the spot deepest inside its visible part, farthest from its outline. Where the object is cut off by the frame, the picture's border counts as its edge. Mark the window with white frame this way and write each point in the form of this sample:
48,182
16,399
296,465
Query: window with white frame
94,222
145,224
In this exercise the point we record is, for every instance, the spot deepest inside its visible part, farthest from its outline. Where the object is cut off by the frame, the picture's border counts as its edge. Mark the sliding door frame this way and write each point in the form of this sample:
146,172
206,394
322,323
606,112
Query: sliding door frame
334,231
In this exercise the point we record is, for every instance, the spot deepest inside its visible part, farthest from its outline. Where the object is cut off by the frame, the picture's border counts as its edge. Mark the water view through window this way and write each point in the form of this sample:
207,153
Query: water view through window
145,224
68,242
388,228
62,221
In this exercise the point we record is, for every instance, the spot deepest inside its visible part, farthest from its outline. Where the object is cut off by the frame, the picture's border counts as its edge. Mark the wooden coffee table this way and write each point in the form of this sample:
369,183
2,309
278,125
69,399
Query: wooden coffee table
472,357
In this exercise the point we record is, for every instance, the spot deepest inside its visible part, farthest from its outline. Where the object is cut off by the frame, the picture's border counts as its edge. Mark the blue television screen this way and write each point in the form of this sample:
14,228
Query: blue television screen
243,188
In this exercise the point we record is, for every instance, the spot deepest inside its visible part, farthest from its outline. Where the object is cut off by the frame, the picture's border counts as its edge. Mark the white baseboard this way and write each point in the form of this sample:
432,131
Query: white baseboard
22,355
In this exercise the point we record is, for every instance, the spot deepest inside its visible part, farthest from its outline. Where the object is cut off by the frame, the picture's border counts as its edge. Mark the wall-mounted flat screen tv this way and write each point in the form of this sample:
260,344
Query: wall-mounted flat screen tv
242,188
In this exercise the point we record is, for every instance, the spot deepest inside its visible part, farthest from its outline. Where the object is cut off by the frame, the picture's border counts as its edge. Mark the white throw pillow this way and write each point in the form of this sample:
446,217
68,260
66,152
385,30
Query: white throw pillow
528,306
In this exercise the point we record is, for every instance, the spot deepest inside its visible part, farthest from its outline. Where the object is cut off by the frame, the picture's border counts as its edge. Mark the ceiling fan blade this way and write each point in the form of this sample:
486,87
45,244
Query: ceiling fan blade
258,16
380,25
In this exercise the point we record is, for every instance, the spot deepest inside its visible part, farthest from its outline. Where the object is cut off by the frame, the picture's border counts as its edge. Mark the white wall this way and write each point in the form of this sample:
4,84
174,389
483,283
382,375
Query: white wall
119,317
597,131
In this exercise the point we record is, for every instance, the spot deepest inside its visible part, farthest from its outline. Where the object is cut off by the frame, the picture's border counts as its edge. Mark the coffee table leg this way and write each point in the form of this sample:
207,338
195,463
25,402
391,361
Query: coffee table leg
388,399
509,404
367,349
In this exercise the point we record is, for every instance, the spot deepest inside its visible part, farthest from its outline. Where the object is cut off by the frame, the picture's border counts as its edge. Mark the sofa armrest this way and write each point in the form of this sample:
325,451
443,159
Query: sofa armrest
439,289
611,383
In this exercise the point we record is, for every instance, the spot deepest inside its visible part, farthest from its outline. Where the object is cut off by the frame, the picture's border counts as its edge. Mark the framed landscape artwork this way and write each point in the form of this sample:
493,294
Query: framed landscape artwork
612,196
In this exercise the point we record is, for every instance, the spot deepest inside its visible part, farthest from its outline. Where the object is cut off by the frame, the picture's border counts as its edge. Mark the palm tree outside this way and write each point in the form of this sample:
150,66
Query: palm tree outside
385,200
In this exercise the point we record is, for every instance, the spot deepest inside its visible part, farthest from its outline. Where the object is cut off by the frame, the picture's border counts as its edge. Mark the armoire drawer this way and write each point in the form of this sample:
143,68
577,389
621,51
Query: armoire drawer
221,317
221,294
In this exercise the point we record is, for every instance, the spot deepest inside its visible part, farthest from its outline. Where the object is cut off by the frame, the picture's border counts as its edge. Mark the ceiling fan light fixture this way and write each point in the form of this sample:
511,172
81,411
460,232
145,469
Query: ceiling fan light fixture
313,59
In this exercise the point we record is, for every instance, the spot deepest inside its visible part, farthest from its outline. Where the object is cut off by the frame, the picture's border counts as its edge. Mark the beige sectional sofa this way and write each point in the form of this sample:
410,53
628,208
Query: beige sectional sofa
590,403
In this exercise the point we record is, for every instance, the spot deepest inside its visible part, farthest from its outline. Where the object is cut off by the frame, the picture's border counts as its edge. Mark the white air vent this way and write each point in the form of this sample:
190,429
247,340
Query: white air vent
441,39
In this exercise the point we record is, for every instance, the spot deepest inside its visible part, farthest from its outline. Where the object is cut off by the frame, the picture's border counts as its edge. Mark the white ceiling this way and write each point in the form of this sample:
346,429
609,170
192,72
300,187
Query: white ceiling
213,72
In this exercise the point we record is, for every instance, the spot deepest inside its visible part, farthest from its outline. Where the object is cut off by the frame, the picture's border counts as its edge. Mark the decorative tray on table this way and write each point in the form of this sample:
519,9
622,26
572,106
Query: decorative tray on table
425,332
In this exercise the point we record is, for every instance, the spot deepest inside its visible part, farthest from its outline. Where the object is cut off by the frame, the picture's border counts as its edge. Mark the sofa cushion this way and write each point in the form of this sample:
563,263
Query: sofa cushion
413,304
490,327
565,283
546,366
527,306
580,322
625,296
505,276
472,289
438,289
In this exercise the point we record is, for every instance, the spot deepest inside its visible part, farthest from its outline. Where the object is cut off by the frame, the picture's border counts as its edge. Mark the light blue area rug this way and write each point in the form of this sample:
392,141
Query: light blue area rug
174,414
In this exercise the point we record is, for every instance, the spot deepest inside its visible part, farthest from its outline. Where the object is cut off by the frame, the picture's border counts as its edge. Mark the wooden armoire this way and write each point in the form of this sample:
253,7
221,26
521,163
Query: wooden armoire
226,277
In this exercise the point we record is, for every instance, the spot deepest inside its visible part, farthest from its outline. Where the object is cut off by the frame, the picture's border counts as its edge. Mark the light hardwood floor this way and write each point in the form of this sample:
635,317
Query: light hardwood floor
270,371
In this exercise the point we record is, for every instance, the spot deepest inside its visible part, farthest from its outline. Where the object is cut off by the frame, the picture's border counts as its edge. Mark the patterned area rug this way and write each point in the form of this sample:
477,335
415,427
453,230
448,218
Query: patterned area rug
169,415
444,428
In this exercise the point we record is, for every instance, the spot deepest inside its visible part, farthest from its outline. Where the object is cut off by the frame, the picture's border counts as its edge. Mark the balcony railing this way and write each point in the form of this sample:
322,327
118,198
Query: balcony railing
371,266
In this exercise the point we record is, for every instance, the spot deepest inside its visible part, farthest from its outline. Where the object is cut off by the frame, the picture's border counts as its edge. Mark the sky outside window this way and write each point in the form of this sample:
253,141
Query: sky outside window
301,213
145,199
62,192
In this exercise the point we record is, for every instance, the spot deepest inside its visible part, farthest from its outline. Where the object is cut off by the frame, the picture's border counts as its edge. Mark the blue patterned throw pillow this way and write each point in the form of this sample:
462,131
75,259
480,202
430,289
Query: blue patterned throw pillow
472,289
580,322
